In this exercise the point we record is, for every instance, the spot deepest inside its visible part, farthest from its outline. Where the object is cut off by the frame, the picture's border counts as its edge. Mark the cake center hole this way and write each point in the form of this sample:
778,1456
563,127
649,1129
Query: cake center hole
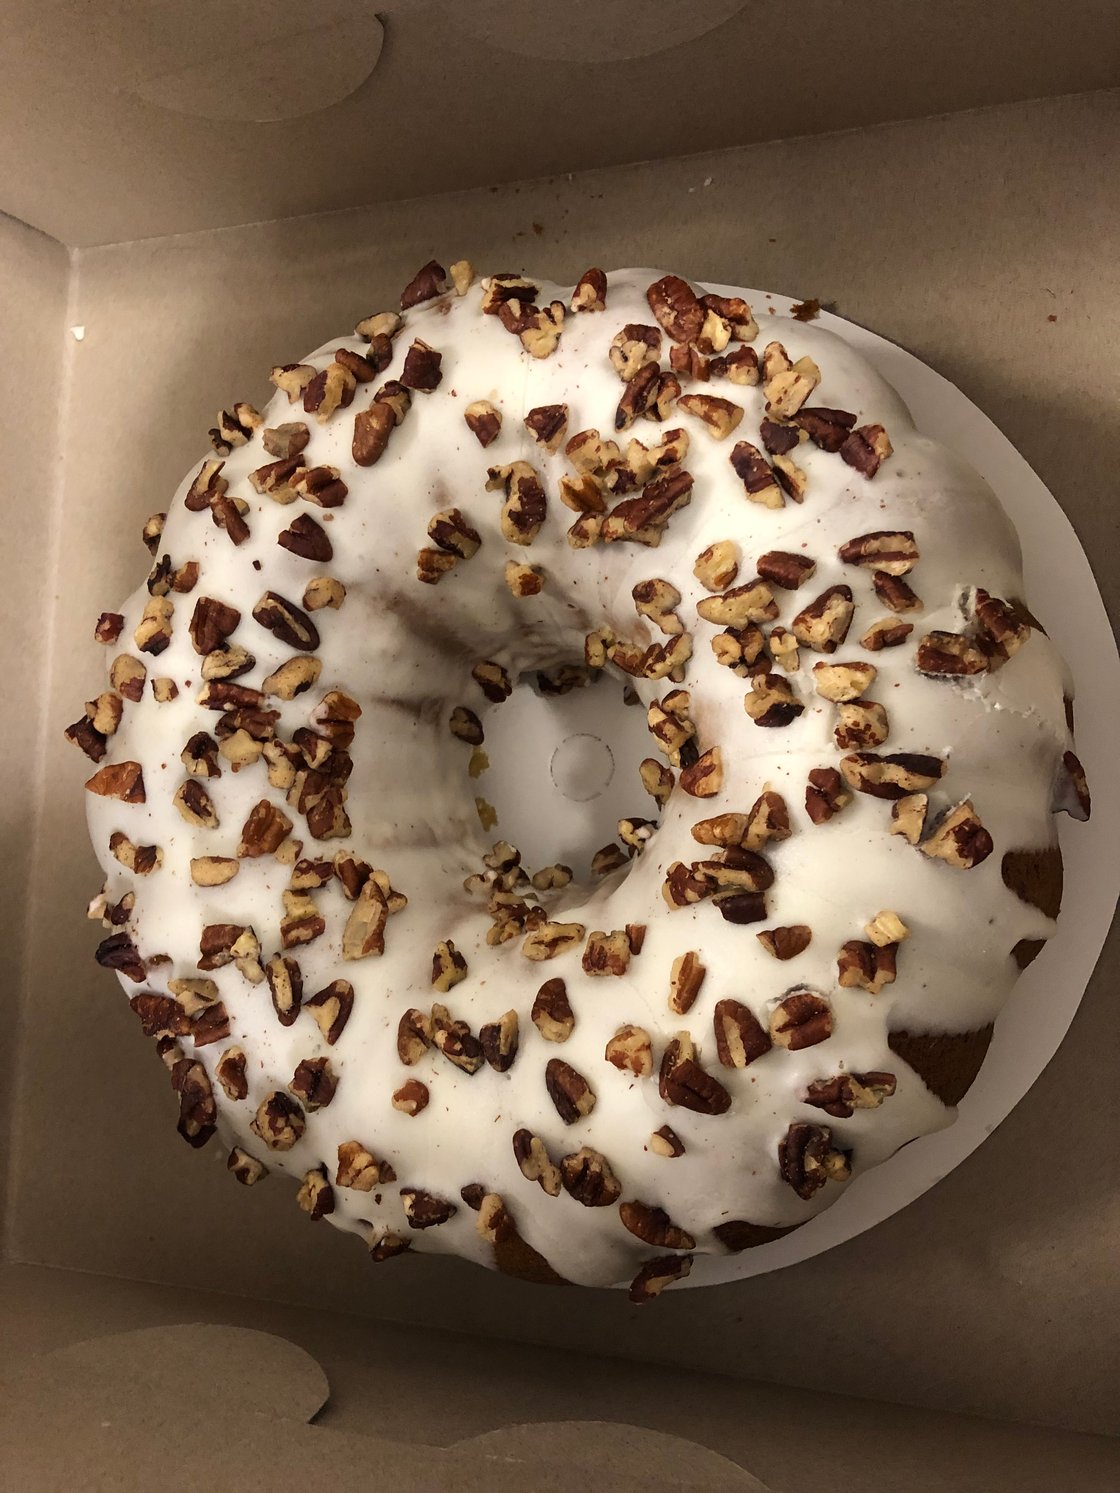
582,767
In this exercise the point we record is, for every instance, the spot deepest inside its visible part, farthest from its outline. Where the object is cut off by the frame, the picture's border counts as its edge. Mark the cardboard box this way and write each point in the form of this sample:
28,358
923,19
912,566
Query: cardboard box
983,241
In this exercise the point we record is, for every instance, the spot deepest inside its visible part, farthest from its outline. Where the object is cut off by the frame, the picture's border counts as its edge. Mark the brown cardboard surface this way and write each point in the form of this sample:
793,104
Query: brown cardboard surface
96,159
34,280
418,1391
996,1292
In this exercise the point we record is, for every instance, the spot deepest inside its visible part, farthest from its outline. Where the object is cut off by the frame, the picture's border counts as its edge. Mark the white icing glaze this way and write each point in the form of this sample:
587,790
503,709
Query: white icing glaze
405,651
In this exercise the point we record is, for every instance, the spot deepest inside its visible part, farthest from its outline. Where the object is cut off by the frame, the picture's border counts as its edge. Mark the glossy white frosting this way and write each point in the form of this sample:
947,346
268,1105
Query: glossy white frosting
405,651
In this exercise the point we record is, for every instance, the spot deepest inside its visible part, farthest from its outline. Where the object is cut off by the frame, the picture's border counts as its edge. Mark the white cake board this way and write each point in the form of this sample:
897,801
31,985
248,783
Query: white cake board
547,746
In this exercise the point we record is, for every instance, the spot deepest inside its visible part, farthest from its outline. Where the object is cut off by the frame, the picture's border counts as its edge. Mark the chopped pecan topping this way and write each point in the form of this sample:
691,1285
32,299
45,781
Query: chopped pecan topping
658,600
451,532
587,1177
316,1195
323,591
492,680
525,507
414,1036
142,860
285,984
548,425
387,1246
887,928
654,1226
150,534
428,282
740,649
895,593
230,1072
120,953
656,1274
372,429
634,348
364,933
328,391
756,475
643,520
523,580
959,838
87,739
780,436
767,820
631,1051
781,568
866,966
792,479
448,966
359,1169
787,387
1003,628
569,1091
286,441
535,1163
207,485
866,448
330,1008
159,1014
740,1038
411,1097
247,1169
123,780
719,416
823,624
892,776
108,627
538,327
786,943
861,723
292,378
499,1041
197,1109
275,479
735,312
314,1083
432,565
484,420
892,551
717,566
302,923
279,1122
843,682
753,602
949,653
264,829
383,324
153,632
782,646
666,1142
801,1019
704,777
550,939
127,675
552,1012
286,622
590,293
826,428
498,289
675,305
683,1082
607,953
807,1159
885,633
657,779
772,701
422,371
843,1094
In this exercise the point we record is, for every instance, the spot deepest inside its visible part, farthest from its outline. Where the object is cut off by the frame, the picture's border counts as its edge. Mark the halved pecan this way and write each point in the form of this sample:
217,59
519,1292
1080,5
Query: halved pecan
535,1163
552,1013
740,1037
571,1094
781,568
801,1019
654,1226
682,1081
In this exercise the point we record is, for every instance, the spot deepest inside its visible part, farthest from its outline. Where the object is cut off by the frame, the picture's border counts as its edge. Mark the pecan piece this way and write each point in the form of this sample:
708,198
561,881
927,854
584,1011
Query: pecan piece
823,624
451,532
677,308
866,448
767,820
895,593
807,1159
959,838
364,933
590,293
552,1013
866,966
484,420
719,416
423,1210
653,1226
414,1036
286,622
247,1169
862,723
786,943
772,701
422,371
316,1195
535,1163
285,984
843,1094
685,979
704,777
656,1274
800,1019
885,633
892,776
631,1051
756,475
571,1094
787,387
448,966
607,953
717,566
499,1041
550,939
892,551
657,779
682,1081
492,680
429,281
264,829
791,478
843,682
108,627
784,569
123,780
740,1037
197,1109
949,653
587,1177
753,602
314,1083
411,1097
330,1008
279,1121
548,425
826,428
359,1169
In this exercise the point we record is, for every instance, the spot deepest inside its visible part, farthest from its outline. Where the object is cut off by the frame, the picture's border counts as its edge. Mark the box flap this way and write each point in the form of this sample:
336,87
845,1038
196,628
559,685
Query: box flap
101,138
